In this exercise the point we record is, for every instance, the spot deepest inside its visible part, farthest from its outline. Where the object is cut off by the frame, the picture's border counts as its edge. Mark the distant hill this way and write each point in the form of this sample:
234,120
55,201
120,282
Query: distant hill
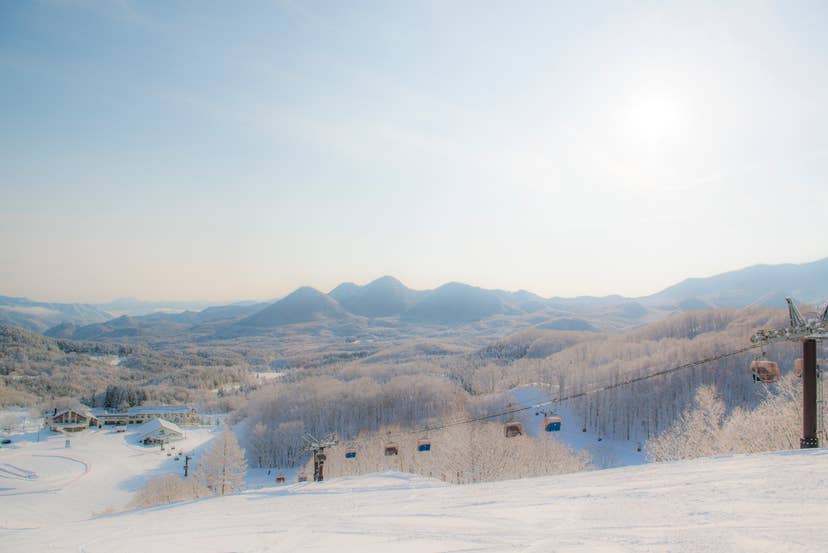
38,316
765,285
136,307
384,297
344,291
567,324
382,301
122,327
302,306
156,325
456,303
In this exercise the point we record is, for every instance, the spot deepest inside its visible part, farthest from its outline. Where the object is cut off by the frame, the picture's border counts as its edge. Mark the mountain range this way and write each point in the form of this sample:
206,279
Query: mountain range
388,301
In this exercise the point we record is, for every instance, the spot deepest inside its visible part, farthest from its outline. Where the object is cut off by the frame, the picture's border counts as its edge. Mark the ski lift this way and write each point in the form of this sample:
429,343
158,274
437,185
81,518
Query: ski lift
764,371
799,366
513,429
423,445
552,423
302,477
280,479
350,454
391,450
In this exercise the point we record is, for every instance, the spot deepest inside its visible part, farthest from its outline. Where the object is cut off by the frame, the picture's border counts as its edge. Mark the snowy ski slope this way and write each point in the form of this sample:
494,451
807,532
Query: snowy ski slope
761,503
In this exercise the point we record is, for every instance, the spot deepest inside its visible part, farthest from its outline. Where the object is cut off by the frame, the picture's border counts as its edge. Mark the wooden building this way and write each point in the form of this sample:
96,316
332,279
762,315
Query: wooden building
71,420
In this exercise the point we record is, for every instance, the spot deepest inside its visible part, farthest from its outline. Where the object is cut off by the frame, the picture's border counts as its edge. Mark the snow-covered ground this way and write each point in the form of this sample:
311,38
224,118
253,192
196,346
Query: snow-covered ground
43,481
760,503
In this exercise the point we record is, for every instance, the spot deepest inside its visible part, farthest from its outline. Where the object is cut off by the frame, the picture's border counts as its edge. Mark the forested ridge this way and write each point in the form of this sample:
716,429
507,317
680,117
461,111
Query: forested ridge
413,383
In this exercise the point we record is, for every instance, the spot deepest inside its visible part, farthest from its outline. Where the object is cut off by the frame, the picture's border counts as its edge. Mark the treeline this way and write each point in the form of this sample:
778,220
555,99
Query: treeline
365,396
35,368
277,416
641,410
706,428
461,454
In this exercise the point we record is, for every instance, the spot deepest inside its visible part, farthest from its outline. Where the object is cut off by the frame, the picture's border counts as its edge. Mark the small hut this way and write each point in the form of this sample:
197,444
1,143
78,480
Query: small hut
159,431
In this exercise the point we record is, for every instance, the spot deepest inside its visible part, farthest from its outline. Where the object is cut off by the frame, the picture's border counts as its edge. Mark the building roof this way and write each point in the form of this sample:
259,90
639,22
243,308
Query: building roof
152,426
82,410
145,410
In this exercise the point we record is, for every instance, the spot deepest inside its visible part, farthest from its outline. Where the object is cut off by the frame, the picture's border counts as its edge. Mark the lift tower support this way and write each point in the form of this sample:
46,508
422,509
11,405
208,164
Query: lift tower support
809,332
317,447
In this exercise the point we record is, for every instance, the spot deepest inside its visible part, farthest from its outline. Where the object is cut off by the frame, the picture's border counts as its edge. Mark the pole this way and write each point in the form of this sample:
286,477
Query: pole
319,458
186,465
809,395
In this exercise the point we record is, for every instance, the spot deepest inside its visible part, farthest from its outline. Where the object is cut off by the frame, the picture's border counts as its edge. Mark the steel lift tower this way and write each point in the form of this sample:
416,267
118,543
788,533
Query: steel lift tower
809,332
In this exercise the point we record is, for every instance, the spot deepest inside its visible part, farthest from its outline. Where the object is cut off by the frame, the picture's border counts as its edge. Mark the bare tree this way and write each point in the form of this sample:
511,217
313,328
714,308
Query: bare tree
167,488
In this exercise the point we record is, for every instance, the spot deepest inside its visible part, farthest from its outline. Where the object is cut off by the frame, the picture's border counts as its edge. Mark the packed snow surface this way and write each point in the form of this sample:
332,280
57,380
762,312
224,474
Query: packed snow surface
760,503
42,481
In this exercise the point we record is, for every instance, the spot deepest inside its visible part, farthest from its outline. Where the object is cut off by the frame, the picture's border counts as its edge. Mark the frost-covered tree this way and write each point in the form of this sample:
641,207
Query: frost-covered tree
704,430
223,466
696,433
167,488
460,454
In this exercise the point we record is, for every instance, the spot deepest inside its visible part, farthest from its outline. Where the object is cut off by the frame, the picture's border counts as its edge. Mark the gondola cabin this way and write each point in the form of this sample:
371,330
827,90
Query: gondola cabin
280,479
391,450
423,446
799,366
764,371
302,477
552,424
513,429
351,454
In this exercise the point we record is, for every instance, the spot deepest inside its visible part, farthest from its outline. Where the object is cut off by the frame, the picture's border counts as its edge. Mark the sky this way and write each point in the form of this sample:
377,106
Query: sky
213,151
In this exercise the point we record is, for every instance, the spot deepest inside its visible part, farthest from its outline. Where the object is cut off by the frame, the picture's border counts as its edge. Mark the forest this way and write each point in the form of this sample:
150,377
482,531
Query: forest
416,383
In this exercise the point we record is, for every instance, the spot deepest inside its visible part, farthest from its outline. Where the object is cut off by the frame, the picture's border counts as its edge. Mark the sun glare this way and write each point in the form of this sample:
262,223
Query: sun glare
653,117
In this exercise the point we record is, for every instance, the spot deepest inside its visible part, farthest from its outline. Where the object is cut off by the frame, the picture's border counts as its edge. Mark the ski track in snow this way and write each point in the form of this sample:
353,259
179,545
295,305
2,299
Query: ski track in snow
759,504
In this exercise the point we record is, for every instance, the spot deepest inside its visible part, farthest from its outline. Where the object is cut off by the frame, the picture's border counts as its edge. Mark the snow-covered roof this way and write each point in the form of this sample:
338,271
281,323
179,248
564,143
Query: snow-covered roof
145,410
150,409
82,410
152,426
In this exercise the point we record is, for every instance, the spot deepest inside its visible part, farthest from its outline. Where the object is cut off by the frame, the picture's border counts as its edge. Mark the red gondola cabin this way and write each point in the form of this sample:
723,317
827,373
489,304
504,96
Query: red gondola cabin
764,371
513,429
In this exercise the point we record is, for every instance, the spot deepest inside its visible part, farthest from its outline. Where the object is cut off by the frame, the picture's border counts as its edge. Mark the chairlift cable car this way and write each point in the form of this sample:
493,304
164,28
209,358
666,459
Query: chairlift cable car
513,429
764,370
551,421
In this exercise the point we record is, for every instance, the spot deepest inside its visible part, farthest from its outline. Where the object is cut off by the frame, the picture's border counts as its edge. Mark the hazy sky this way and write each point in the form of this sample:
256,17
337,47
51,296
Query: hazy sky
195,150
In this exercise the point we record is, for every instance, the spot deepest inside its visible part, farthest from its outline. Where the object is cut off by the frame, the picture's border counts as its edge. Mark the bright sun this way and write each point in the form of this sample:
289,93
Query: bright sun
653,117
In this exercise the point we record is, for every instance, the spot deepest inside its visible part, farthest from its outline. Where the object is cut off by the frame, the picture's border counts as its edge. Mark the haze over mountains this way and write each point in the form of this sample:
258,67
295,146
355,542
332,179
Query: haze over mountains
388,301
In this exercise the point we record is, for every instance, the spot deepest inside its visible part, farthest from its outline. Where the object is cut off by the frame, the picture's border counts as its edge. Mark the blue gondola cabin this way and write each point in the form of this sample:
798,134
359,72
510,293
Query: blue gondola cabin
552,424
423,446
350,454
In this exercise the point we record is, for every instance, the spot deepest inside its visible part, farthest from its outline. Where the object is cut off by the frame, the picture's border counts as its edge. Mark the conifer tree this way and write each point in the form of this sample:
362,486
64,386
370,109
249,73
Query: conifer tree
223,466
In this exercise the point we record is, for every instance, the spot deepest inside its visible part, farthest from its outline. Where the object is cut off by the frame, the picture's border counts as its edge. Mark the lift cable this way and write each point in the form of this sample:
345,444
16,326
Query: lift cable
607,387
